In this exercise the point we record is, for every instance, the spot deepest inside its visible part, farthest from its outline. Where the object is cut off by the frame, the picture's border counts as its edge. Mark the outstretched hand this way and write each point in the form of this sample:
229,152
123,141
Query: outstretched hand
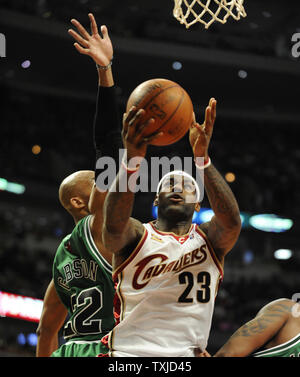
200,135
98,48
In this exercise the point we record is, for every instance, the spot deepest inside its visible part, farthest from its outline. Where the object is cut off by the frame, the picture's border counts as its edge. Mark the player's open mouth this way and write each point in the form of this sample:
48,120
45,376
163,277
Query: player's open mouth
176,198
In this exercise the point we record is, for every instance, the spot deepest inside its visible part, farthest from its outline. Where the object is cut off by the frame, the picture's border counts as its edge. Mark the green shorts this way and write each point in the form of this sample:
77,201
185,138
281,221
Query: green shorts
80,348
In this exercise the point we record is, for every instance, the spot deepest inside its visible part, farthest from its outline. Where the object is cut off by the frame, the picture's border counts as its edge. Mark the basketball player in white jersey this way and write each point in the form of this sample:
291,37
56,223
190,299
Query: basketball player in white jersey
167,271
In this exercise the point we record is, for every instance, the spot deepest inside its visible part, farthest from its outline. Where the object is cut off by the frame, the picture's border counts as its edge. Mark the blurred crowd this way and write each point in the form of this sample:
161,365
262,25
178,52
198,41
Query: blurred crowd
29,241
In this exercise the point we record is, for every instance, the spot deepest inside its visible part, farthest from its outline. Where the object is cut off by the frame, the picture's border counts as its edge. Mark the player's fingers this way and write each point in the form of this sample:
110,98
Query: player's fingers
136,116
125,124
148,139
104,32
94,27
209,123
130,121
212,104
139,135
80,28
200,128
80,49
214,110
202,354
130,114
134,123
193,120
78,37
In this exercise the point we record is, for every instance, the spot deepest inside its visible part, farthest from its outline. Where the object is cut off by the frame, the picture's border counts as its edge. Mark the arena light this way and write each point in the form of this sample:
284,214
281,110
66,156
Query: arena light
270,223
27,339
242,74
267,14
20,307
15,188
283,254
248,256
230,177
154,212
21,339
32,339
177,66
26,64
36,149
204,215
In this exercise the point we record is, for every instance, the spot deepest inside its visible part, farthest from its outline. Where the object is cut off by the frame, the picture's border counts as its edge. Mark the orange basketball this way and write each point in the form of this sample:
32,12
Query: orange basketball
170,106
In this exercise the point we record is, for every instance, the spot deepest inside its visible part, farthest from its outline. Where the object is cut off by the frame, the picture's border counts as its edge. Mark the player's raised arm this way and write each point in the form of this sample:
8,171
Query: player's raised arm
98,47
224,228
52,318
106,126
258,331
119,229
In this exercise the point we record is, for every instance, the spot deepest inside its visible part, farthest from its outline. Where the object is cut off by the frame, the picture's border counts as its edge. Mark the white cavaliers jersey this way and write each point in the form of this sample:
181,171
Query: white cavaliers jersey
165,295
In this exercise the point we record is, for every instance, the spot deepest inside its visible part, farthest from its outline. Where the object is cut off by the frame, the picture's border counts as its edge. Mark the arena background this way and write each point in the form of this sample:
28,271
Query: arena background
47,106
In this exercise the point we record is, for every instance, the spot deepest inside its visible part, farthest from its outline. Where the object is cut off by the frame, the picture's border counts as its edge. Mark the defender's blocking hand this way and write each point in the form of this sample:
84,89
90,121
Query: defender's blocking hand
98,48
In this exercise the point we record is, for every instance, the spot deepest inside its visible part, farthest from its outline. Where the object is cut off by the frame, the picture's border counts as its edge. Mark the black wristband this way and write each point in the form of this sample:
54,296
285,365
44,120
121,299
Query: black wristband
106,128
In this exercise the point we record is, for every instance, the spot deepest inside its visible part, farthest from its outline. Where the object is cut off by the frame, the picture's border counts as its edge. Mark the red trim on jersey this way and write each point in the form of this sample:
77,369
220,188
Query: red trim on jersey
180,239
132,255
211,250
219,284
117,305
104,341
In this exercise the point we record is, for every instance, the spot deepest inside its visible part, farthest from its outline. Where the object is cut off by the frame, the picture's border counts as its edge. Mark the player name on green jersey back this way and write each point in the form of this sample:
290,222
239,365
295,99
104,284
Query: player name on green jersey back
79,269
83,280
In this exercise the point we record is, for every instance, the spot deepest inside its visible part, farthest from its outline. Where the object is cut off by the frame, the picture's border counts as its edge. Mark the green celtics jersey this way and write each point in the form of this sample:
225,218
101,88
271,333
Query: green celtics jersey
287,349
83,281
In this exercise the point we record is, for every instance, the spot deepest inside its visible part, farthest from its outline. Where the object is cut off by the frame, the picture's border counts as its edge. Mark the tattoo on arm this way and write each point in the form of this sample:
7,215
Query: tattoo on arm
119,228
220,195
118,210
257,332
225,226
259,324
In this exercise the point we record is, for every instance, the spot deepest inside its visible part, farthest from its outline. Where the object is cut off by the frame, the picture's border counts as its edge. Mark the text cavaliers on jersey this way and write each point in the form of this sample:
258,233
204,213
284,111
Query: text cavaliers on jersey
165,295
191,258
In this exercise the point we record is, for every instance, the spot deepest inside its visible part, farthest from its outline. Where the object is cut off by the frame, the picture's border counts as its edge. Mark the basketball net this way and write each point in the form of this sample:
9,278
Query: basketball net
189,12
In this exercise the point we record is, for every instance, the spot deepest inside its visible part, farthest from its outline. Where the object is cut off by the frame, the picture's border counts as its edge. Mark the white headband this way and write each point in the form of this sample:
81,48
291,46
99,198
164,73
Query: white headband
183,174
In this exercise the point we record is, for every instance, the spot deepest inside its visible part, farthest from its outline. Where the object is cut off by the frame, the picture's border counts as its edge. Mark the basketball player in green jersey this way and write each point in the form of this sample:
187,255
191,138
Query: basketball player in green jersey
82,285
274,332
